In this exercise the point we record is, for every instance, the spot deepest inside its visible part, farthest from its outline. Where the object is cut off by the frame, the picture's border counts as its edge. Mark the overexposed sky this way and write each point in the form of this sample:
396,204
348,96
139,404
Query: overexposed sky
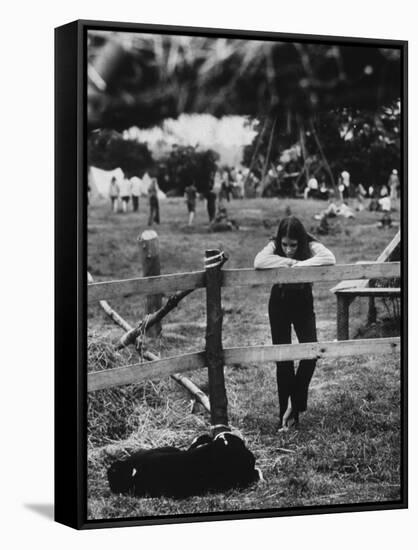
227,136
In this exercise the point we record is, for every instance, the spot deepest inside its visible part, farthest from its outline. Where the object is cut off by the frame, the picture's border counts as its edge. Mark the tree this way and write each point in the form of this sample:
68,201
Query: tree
365,142
108,150
162,76
187,165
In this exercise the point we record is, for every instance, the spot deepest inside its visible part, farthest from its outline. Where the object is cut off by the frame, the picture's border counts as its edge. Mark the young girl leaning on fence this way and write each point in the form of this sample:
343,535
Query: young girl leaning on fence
292,304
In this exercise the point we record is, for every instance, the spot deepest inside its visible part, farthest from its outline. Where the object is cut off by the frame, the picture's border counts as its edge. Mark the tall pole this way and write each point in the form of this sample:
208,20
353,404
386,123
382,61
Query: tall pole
266,162
214,260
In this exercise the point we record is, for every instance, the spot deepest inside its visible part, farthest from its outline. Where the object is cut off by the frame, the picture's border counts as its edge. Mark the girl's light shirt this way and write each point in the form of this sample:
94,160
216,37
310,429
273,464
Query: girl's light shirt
125,188
114,190
267,259
385,204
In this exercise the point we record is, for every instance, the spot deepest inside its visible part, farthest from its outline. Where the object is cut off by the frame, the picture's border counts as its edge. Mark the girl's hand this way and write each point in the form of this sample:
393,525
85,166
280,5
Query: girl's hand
290,262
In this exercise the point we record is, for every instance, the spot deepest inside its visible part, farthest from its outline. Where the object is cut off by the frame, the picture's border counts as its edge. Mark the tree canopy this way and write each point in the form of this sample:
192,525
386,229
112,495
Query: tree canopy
140,78
107,150
365,142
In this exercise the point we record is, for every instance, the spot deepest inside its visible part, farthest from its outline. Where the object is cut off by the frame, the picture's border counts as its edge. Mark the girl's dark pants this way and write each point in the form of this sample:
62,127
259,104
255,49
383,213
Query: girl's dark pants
211,205
135,203
293,305
154,212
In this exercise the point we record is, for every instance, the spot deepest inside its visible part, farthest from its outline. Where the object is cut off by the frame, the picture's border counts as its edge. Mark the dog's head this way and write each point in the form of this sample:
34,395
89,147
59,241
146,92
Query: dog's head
233,440
200,440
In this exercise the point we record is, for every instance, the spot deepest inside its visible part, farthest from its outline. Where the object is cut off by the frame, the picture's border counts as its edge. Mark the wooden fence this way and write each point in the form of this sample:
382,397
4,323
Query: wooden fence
347,291
240,277
214,357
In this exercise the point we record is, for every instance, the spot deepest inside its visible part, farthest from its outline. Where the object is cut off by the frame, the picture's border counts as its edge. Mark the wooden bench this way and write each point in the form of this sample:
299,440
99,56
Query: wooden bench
347,291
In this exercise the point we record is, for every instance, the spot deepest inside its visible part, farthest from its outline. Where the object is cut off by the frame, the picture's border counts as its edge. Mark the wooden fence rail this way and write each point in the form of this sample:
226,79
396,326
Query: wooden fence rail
134,374
214,357
347,291
241,277
150,370
146,285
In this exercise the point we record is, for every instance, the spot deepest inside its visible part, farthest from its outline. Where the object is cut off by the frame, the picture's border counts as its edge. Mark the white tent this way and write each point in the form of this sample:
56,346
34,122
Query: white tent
142,185
99,181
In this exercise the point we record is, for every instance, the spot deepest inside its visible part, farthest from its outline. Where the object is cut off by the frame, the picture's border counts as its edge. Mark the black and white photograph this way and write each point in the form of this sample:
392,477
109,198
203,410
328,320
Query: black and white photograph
244,200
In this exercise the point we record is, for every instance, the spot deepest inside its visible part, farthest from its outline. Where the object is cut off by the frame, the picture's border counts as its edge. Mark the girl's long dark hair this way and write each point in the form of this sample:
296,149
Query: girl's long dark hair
292,228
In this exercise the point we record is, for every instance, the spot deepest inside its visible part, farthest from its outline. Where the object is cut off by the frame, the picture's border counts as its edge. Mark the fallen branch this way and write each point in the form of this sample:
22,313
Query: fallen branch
282,450
131,336
111,312
197,393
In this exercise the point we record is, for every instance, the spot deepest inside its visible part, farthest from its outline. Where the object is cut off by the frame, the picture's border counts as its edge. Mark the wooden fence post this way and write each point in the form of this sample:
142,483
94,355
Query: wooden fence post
214,350
343,317
372,313
150,254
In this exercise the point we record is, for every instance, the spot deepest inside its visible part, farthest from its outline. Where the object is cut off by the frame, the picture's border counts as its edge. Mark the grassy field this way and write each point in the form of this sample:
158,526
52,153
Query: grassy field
348,447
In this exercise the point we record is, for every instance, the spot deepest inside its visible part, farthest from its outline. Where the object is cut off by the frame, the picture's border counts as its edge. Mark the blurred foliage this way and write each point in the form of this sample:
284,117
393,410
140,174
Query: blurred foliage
186,165
374,149
183,166
338,103
140,78
108,150
365,142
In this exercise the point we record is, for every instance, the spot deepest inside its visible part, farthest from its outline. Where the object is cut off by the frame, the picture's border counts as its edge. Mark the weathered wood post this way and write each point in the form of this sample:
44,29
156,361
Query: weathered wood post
214,351
150,254
343,312
372,312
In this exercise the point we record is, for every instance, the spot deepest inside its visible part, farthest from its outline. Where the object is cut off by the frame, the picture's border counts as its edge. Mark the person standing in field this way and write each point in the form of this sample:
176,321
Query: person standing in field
394,185
360,194
154,205
311,189
292,304
225,192
190,194
146,180
344,184
211,202
114,194
240,183
125,193
373,204
136,192
385,206
323,192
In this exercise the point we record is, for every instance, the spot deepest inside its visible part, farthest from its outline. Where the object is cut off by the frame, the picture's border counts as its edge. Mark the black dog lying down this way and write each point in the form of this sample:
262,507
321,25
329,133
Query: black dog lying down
209,465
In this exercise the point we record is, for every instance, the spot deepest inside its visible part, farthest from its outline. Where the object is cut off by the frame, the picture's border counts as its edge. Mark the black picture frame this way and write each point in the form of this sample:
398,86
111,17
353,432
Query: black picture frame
71,283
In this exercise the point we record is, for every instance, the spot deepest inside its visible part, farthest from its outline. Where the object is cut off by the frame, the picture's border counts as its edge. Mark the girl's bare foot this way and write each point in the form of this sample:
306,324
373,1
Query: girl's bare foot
290,419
